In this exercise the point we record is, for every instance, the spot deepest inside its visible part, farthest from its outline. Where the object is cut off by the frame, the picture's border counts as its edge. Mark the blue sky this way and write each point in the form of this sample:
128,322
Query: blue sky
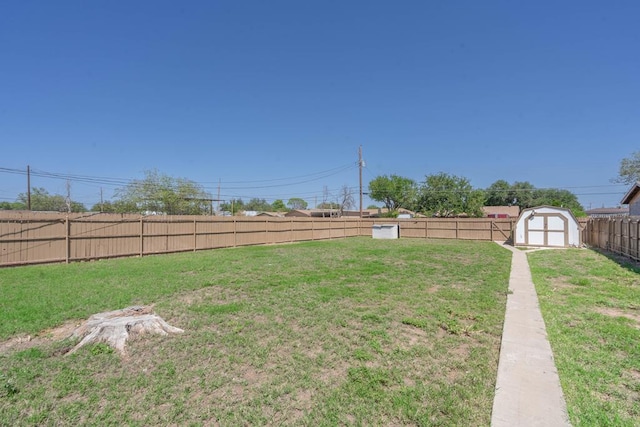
273,98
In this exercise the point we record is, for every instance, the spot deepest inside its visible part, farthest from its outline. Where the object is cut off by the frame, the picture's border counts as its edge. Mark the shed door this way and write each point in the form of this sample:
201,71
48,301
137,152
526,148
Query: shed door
549,229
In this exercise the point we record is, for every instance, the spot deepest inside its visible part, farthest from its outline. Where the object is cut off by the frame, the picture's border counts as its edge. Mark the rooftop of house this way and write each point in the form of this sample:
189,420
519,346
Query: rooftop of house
618,210
512,211
635,188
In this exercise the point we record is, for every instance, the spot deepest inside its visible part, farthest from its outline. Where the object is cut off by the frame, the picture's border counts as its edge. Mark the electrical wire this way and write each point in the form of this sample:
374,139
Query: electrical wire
121,181
233,191
277,182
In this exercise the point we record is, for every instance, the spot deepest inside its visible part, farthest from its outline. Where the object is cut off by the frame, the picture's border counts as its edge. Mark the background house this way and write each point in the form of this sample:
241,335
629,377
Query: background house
313,213
632,198
272,214
501,211
607,212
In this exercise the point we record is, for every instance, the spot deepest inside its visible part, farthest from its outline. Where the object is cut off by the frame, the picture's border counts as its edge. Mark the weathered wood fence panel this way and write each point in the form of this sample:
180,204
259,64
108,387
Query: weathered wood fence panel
498,229
618,235
37,237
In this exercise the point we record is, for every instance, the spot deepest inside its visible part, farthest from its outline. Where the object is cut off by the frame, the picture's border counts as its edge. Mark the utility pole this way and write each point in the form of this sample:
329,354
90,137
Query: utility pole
28,188
101,201
68,199
218,208
360,164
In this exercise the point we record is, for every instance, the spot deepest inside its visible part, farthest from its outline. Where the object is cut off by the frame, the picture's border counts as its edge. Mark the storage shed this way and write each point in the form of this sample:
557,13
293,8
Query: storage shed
547,226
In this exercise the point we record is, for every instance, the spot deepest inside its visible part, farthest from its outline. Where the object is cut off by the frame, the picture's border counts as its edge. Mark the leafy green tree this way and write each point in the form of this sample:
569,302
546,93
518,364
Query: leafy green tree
297,203
523,194
447,195
121,206
559,197
258,205
12,206
234,206
372,207
162,193
394,191
41,200
629,171
106,207
279,206
117,206
499,194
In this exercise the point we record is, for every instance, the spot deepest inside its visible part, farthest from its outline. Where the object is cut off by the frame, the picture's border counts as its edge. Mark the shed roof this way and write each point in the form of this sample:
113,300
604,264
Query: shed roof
535,208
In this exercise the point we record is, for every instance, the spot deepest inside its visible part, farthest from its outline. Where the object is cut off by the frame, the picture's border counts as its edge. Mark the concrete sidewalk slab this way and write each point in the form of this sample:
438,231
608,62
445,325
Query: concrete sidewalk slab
528,391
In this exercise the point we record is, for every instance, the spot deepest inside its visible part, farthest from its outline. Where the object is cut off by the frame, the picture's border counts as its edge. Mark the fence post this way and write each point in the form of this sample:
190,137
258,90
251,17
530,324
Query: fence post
195,236
67,255
629,238
637,241
141,237
235,227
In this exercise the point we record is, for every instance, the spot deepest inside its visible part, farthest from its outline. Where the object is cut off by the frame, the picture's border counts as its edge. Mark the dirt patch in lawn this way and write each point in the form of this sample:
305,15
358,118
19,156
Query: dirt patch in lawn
25,342
410,336
211,294
615,312
561,283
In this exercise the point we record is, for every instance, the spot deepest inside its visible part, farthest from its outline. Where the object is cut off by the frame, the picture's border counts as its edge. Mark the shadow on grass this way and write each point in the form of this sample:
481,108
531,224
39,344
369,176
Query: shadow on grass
623,261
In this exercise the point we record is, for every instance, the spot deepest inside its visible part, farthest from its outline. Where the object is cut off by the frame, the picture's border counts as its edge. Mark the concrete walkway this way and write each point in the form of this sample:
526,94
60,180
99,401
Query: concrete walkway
528,391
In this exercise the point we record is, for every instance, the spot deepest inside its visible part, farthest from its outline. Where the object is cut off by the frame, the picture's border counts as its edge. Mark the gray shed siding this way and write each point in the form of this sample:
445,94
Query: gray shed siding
634,206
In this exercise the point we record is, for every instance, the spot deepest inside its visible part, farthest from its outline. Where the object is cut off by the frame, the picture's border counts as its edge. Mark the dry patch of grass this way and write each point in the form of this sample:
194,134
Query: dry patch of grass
590,306
351,332
616,312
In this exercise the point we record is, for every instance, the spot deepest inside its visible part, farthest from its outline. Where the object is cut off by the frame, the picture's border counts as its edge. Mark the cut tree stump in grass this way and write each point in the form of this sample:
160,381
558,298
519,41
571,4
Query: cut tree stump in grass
115,327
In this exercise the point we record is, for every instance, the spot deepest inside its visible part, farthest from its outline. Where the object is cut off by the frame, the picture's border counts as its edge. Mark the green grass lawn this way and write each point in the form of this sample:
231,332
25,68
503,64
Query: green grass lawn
591,307
345,332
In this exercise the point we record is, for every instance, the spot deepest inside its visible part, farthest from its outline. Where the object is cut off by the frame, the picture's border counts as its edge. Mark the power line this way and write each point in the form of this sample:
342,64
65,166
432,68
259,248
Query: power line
244,187
315,176
124,182
336,169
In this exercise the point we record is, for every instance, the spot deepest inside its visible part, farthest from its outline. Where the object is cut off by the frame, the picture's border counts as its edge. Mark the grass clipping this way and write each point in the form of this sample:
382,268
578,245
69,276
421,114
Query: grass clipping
116,327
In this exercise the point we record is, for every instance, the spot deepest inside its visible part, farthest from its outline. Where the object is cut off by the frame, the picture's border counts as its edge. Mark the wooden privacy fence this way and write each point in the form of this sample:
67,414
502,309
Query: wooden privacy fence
618,235
37,237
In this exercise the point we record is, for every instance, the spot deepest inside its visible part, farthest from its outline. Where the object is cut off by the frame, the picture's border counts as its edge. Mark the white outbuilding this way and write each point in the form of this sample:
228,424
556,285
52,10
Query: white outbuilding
547,226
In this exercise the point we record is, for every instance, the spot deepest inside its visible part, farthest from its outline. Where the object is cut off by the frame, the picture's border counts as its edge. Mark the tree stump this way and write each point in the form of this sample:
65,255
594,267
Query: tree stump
115,327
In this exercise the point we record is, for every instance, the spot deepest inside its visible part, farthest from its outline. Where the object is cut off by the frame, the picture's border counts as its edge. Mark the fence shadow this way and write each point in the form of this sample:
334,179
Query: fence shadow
623,261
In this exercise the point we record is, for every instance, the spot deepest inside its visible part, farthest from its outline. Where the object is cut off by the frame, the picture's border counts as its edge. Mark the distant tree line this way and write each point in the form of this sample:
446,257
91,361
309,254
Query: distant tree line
41,200
445,195
158,193
440,194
